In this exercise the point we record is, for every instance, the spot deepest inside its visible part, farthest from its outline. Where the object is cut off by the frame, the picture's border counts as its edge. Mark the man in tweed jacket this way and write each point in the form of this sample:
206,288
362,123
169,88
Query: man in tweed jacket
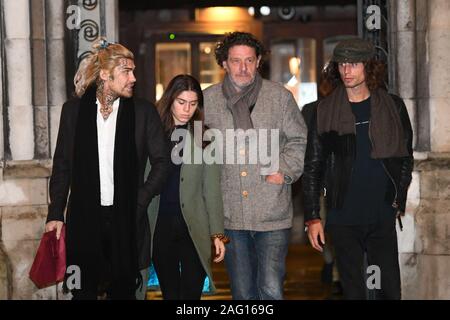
257,203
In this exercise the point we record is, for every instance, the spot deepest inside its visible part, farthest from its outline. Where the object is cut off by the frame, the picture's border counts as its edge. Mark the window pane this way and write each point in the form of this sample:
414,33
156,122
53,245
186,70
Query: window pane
171,59
279,61
210,72
293,63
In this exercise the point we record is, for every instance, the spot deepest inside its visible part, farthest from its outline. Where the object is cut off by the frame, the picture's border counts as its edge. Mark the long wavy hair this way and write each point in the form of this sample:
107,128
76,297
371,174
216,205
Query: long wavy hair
104,56
375,71
176,86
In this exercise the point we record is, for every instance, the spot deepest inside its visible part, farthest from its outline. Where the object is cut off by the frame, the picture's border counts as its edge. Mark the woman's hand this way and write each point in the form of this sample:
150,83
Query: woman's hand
220,250
51,225
275,178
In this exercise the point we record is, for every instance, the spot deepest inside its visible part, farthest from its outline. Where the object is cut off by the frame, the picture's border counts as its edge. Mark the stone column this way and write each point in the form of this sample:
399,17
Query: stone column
405,40
439,73
423,83
112,20
2,145
18,65
425,250
39,67
56,65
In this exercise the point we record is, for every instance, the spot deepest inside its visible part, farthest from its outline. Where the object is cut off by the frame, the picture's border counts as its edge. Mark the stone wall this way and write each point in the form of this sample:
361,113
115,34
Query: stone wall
422,39
425,243
35,91
18,76
23,205
35,83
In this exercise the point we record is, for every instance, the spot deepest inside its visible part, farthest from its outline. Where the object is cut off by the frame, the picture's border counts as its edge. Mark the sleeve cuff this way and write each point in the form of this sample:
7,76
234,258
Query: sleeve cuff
310,222
287,179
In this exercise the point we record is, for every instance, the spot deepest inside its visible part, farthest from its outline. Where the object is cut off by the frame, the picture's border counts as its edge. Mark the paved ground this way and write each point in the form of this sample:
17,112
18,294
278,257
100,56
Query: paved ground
302,278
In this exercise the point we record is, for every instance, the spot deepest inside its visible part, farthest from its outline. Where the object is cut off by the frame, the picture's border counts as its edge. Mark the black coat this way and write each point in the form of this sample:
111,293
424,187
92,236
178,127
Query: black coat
329,160
150,145
308,112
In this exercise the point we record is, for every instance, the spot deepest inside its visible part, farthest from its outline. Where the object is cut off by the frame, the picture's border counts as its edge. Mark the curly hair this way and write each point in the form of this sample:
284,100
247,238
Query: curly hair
235,39
103,56
375,71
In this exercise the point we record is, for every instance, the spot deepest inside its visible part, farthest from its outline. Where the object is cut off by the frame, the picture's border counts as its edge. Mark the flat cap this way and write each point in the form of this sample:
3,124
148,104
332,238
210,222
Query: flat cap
353,50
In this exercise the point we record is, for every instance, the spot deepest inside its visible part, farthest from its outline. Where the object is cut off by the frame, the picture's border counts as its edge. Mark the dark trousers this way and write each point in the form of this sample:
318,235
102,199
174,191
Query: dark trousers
105,276
180,273
379,243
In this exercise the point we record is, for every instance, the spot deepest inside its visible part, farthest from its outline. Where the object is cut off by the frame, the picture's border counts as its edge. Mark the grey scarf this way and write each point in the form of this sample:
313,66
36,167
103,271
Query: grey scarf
240,102
334,113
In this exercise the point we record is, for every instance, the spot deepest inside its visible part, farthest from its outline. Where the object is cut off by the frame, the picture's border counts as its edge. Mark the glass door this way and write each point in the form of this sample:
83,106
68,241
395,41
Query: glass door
192,55
171,59
209,71
293,63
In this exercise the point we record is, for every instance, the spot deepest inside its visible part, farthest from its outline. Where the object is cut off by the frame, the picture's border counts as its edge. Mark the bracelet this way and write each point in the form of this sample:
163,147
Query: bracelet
221,237
310,222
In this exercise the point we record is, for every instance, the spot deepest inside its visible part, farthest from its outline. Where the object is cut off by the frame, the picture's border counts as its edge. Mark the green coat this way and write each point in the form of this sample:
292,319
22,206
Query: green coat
201,205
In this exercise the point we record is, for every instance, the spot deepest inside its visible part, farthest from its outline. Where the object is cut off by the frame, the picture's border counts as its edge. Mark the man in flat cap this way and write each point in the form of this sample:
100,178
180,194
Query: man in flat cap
359,152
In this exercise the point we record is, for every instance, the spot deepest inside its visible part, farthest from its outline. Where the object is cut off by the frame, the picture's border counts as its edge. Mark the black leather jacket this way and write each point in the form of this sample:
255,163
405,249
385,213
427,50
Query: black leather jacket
328,166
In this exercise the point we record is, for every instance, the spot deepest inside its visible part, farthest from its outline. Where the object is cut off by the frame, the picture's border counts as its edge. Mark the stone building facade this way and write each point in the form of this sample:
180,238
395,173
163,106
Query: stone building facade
33,87
420,36
33,65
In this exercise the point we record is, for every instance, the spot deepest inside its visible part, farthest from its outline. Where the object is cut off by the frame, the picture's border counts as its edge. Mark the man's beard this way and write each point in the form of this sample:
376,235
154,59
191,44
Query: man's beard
242,86
127,93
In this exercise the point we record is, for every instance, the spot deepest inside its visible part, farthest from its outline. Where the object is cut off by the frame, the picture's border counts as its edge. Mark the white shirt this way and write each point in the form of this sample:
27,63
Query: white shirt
106,136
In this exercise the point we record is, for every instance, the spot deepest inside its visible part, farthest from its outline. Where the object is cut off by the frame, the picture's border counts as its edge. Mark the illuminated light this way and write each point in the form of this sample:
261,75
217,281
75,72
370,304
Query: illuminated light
265,11
172,36
216,14
159,91
207,50
251,11
294,65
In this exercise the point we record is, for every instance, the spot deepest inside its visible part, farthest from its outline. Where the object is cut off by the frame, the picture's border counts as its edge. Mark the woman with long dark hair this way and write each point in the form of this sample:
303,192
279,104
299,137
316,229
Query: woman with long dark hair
188,215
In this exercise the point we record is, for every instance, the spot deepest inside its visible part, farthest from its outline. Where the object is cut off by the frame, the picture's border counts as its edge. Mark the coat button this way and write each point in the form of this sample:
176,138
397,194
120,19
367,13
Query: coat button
182,205
182,179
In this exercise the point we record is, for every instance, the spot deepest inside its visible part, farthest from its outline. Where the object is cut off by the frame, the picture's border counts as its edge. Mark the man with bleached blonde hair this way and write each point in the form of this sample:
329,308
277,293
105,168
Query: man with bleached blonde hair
105,139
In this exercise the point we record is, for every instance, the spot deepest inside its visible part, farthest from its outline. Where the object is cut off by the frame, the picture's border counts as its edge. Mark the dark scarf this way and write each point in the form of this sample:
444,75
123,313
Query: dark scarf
83,223
334,113
239,103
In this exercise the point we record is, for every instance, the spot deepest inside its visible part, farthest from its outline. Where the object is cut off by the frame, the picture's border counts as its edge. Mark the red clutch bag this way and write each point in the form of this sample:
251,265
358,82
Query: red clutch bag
49,265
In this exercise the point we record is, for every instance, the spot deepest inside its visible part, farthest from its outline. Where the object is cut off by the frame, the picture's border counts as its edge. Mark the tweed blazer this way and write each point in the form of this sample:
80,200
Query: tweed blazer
250,203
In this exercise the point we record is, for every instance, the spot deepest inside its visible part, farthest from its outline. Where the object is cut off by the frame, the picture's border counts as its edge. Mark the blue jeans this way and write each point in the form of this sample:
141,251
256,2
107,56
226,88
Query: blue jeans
255,263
